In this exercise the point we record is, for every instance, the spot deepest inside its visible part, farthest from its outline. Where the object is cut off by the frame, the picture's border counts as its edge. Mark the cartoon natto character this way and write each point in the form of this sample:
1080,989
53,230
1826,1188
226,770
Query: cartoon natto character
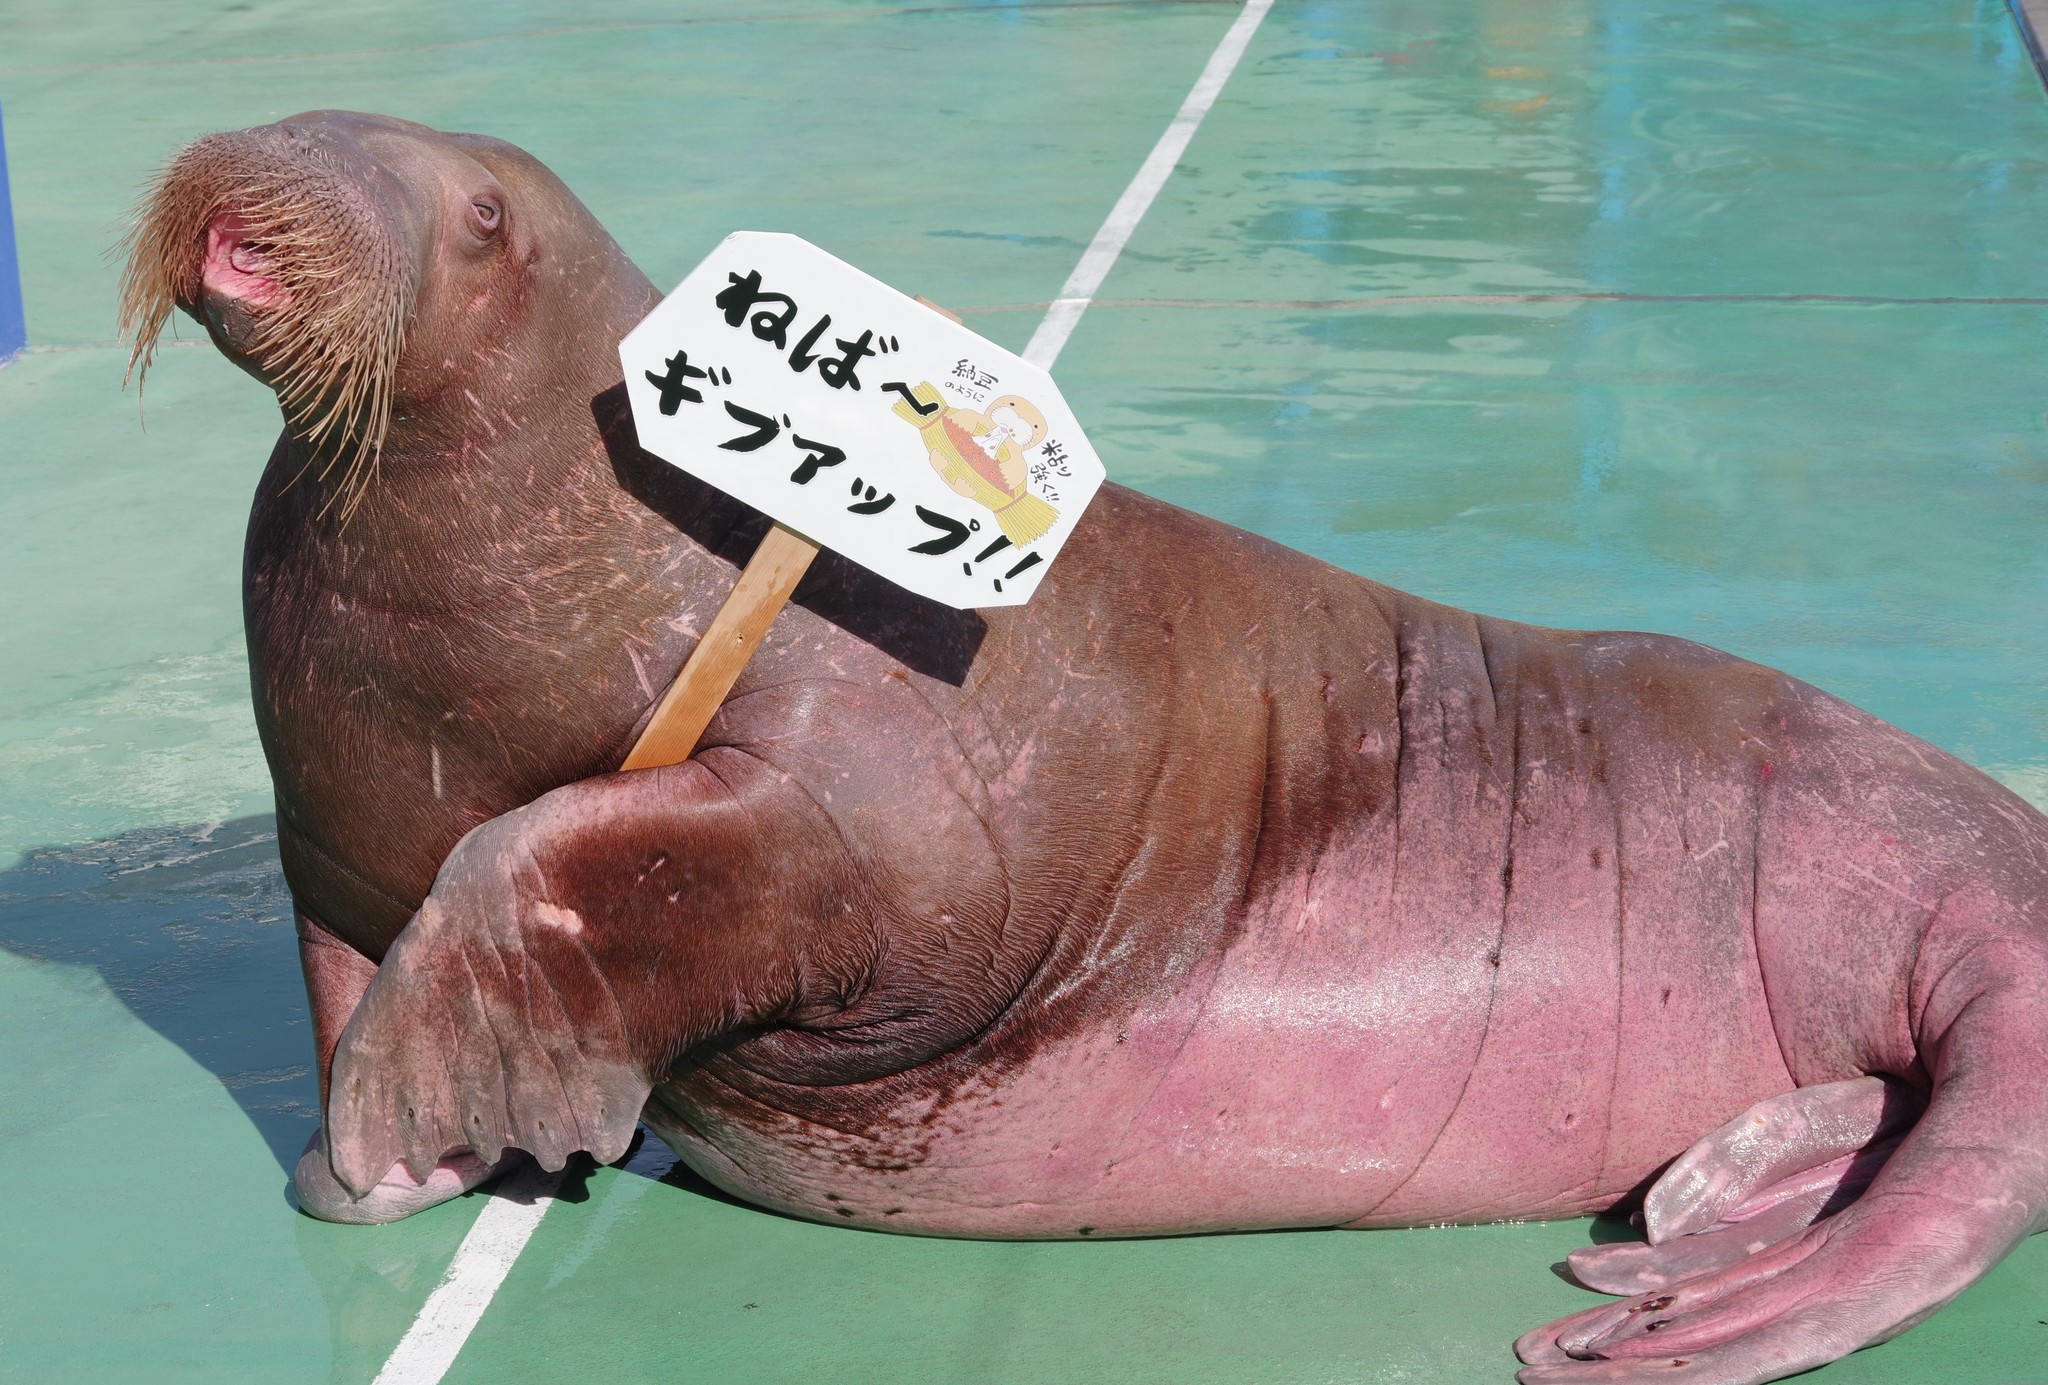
981,456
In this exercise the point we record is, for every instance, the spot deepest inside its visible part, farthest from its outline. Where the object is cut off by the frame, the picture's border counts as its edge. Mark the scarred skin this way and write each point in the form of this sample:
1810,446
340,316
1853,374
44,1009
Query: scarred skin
1216,888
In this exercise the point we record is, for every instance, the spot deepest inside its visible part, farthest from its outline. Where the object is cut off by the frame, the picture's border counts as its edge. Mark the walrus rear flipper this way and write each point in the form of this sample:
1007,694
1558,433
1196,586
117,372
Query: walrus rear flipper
1782,1165
1966,1185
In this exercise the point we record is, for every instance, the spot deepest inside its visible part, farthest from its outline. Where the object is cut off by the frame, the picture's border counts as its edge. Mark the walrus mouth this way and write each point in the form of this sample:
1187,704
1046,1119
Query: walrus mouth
268,238
240,264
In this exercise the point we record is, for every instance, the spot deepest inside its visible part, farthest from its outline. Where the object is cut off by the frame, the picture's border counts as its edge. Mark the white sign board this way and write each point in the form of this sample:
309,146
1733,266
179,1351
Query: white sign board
862,419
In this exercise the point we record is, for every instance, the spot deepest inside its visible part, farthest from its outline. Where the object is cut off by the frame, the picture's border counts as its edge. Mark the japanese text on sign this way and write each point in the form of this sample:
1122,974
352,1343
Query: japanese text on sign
861,419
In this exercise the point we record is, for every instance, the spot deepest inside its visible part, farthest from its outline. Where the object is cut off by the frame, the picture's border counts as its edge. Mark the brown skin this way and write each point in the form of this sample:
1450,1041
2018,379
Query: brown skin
1277,898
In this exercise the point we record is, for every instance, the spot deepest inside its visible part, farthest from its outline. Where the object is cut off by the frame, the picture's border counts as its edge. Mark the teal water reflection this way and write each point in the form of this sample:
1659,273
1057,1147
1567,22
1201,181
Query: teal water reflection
1716,319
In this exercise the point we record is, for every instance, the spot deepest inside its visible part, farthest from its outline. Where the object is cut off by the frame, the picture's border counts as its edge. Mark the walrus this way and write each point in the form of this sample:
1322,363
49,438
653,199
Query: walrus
1217,888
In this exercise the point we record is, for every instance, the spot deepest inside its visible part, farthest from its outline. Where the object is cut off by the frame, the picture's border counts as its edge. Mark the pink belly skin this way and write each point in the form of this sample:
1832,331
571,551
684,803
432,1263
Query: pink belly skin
1531,981
1325,1070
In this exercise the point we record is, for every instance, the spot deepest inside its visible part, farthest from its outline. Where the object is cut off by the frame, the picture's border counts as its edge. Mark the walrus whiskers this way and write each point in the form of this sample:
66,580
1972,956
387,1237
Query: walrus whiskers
332,343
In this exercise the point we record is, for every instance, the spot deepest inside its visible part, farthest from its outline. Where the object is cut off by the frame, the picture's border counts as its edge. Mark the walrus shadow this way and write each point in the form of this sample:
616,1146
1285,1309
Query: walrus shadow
190,926
650,1157
921,634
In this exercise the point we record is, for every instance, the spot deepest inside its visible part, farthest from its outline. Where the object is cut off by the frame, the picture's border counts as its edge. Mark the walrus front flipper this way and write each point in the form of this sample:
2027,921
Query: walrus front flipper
397,1196
568,953
1967,1184
336,977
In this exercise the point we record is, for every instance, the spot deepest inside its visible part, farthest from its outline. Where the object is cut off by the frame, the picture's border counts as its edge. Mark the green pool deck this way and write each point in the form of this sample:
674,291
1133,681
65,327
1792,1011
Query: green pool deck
1723,319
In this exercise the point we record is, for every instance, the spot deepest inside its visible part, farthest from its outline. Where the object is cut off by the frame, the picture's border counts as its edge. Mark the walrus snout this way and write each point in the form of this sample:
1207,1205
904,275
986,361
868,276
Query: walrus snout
293,246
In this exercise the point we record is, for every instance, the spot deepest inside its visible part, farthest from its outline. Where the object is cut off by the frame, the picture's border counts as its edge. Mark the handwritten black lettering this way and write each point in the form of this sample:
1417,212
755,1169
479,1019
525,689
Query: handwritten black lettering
801,355
924,410
823,454
766,430
837,371
952,533
674,387
744,294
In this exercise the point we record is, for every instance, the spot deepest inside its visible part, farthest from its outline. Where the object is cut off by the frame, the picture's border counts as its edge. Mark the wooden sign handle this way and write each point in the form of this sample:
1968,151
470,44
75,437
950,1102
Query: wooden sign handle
736,632
714,665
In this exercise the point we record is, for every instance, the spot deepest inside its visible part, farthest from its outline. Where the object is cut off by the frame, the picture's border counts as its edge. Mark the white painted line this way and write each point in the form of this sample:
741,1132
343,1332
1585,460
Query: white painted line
1060,319
481,1263
502,1229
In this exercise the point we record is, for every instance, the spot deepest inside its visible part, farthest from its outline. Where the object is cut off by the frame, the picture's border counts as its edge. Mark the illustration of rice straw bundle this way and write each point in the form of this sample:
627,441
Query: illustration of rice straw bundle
981,456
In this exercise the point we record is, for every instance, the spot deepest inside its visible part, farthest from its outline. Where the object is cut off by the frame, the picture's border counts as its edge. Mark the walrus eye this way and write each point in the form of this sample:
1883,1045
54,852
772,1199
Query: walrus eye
486,214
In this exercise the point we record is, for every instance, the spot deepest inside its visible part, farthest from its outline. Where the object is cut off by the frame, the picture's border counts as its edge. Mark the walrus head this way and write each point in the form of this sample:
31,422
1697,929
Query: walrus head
347,261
